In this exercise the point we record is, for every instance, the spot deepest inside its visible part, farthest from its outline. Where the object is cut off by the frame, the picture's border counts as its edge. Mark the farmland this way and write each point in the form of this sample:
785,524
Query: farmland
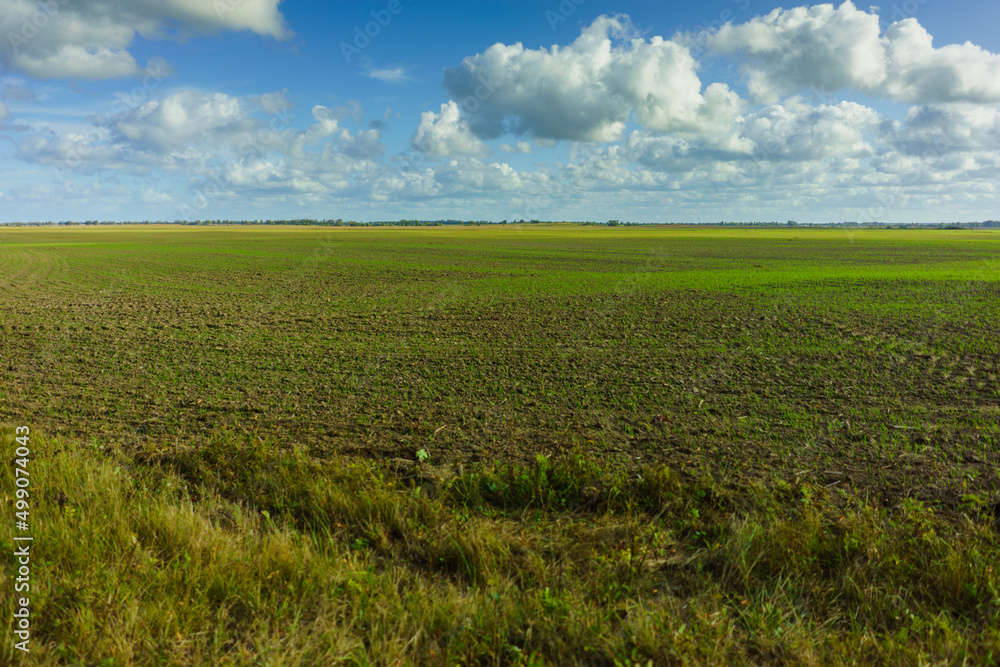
593,445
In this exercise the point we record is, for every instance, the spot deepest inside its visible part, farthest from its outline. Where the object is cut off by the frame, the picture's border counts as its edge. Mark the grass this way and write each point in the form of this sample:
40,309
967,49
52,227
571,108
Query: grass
248,552
542,445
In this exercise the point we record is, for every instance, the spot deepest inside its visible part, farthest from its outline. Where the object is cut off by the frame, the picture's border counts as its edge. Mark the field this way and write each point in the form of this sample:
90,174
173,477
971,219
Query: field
533,444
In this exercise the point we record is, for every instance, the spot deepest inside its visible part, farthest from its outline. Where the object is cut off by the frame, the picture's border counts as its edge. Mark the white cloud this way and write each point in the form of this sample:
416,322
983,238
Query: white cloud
955,73
827,49
274,103
471,176
587,90
676,154
797,131
4,112
388,74
522,147
806,47
365,145
66,190
150,196
792,131
956,128
446,133
257,174
673,143
258,16
85,152
217,137
89,39
184,118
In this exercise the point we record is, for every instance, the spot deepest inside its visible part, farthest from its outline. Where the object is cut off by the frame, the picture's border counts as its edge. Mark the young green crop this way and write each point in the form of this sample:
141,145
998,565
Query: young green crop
713,436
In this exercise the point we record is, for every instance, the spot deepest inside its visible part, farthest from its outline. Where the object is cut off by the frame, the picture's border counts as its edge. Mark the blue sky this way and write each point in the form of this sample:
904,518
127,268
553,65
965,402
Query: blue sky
571,110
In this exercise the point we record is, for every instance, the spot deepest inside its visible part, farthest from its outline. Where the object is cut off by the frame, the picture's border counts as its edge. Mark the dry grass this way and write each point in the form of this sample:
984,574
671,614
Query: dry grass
253,554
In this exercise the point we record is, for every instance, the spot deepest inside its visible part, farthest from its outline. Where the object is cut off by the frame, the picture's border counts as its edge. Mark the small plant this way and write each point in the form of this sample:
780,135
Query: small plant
423,455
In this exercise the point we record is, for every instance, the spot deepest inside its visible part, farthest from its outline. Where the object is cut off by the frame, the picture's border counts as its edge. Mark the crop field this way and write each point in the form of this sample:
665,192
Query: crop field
541,444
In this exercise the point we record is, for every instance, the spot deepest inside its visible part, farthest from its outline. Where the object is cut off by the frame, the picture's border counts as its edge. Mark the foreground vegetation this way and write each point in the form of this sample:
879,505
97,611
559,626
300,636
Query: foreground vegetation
506,446
246,552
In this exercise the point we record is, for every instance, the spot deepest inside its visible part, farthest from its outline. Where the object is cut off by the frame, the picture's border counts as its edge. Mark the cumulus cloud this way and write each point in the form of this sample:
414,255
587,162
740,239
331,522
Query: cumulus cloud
474,176
206,134
587,90
184,118
82,151
365,145
672,141
667,154
922,74
791,131
797,131
274,103
936,131
89,39
827,49
806,47
446,133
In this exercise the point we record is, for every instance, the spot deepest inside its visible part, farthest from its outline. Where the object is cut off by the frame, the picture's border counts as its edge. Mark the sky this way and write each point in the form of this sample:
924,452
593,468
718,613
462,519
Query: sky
736,110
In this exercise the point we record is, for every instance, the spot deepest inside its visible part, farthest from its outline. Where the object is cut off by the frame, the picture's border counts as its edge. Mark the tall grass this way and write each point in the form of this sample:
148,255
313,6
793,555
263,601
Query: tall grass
247,552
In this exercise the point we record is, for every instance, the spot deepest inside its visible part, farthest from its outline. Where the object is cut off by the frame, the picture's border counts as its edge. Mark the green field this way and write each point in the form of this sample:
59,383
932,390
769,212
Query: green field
537,444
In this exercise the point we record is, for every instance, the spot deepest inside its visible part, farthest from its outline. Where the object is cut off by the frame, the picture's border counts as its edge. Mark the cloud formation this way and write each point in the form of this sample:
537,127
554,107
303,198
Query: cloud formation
587,90
184,118
218,138
921,74
523,147
388,74
936,131
804,48
827,49
447,133
89,39
19,93
613,120
796,131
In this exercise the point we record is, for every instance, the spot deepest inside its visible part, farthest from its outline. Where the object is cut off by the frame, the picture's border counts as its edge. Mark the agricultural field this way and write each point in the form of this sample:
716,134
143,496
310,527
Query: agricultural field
541,444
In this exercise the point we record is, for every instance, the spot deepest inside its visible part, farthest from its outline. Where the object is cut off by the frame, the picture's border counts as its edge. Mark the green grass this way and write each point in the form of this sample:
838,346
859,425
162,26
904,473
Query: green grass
247,552
520,445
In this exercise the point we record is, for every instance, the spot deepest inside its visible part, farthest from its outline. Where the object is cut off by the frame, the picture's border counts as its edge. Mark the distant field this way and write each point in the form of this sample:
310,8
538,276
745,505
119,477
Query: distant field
862,366
756,348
